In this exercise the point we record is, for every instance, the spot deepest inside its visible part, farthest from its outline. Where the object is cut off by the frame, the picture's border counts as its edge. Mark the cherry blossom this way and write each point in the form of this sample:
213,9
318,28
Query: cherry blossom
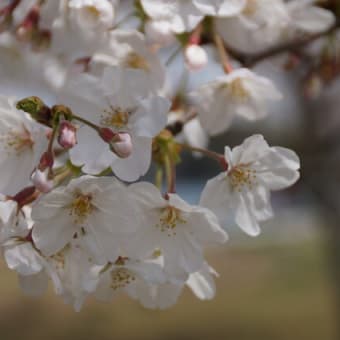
14,222
202,282
81,25
180,231
241,92
159,32
220,8
22,142
243,191
183,16
132,276
84,209
260,25
128,50
264,23
165,295
308,18
113,103
73,273
113,94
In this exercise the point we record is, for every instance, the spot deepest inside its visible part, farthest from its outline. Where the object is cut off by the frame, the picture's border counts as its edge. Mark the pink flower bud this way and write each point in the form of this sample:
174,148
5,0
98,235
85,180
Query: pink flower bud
24,33
107,134
196,57
46,161
67,137
121,145
25,196
41,181
28,27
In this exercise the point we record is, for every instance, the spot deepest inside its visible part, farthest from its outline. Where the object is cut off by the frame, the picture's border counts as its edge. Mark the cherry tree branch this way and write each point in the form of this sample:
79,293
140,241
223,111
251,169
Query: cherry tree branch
250,59
222,52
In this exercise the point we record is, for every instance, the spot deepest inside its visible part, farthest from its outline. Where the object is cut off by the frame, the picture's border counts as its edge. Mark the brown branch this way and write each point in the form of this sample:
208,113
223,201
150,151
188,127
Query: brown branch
222,53
249,60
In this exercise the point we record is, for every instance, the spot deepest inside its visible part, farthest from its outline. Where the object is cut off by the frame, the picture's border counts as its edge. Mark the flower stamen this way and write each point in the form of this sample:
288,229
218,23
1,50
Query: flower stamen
115,117
93,11
238,90
19,141
81,207
169,218
121,277
136,61
241,176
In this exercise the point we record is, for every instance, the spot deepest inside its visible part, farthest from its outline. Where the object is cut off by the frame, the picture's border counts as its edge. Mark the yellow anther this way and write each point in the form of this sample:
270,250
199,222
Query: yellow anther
81,207
136,61
242,176
115,118
93,10
121,277
237,89
169,219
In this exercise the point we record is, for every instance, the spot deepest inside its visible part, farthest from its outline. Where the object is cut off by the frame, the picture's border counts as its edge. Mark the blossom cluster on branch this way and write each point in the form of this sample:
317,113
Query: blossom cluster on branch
73,210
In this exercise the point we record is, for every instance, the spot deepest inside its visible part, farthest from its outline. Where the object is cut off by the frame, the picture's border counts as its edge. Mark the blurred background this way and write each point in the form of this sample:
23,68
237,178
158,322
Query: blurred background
283,285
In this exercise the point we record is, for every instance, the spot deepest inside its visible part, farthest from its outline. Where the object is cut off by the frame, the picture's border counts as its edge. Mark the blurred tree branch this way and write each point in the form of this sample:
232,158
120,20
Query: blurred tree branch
249,60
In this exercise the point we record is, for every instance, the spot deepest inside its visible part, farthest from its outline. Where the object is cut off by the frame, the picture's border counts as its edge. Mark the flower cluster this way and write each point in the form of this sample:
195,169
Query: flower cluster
72,210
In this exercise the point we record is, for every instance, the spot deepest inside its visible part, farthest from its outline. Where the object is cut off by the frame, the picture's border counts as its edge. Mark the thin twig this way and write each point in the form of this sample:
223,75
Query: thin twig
249,60
225,60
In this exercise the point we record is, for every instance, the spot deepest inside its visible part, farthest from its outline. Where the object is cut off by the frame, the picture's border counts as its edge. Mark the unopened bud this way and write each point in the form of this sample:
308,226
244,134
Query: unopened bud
196,57
46,161
25,196
31,105
35,107
106,134
29,237
120,142
121,145
67,137
27,29
41,181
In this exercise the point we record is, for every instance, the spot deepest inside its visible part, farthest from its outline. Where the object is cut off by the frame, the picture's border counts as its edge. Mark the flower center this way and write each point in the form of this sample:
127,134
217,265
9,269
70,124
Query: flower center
115,117
136,61
169,218
237,90
93,11
17,141
250,8
241,176
81,207
121,277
